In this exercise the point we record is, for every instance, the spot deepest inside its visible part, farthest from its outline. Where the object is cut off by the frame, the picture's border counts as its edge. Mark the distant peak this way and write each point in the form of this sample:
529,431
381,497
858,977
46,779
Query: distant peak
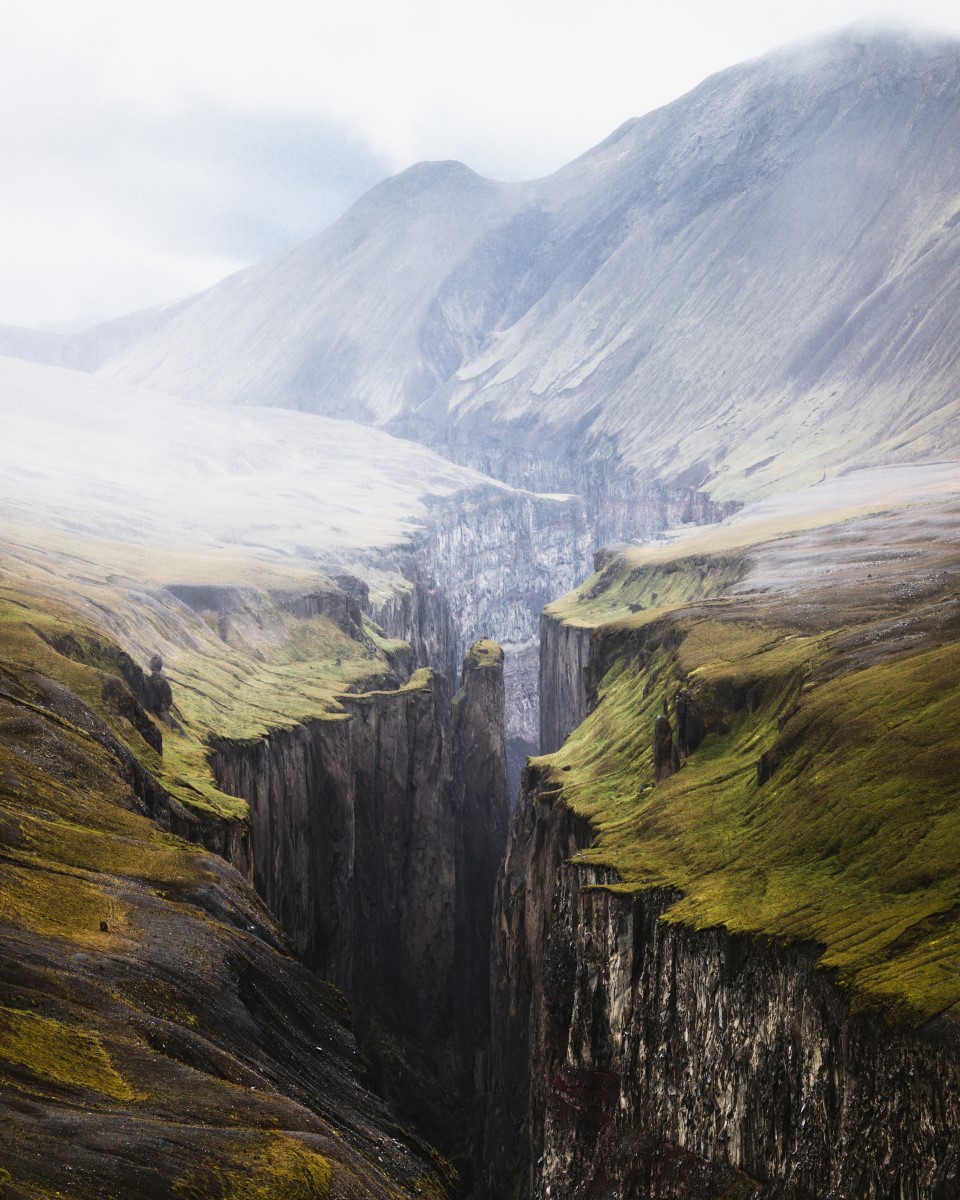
867,45
440,172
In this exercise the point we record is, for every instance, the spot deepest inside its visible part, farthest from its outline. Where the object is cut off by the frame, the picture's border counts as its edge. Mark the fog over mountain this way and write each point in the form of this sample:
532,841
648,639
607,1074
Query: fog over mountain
480,690
753,284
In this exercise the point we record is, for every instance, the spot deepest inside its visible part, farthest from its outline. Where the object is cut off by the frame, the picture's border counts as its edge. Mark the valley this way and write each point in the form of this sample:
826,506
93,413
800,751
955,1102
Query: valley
550,783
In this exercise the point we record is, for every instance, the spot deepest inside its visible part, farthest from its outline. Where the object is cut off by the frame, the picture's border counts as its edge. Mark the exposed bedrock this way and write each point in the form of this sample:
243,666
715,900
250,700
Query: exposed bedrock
487,562
376,838
742,1054
565,652
492,559
619,505
641,1059
637,1058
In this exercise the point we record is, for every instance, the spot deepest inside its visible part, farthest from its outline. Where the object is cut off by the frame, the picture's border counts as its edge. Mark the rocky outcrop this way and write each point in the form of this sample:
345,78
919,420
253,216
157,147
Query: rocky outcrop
376,836
639,1058
636,1057
158,695
530,991
491,559
666,756
157,1039
483,810
618,505
420,615
564,657
486,564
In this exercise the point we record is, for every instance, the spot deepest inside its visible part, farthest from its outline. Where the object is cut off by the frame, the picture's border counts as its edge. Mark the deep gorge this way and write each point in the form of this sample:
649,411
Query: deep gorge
626,1057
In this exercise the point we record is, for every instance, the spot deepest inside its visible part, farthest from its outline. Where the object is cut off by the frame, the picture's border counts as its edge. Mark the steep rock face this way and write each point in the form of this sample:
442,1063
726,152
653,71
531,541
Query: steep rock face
157,1038
421,616
376,837
635,1056
480,778
491,560
619,505
488,561
564,656
530,991
632,1057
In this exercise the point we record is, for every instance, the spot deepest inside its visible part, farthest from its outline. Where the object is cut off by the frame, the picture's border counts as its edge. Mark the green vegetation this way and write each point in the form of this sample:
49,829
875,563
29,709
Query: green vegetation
131,943
846,839
277,1165
631,585
60,1054
485,653
257,669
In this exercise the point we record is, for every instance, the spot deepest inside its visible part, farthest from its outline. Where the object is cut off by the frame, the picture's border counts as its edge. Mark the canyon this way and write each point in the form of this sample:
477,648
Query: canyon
548,786
650,1036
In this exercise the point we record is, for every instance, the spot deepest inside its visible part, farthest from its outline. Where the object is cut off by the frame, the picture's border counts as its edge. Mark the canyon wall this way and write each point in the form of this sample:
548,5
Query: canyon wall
635,1057
565,653
490,559
497,557
376,837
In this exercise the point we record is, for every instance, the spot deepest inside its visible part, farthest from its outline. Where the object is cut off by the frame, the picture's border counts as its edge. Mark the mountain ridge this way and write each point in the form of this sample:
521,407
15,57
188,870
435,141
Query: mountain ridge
771,255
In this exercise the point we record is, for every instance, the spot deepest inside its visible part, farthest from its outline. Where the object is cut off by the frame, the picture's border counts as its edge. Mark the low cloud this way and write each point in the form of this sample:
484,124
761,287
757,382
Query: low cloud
149,148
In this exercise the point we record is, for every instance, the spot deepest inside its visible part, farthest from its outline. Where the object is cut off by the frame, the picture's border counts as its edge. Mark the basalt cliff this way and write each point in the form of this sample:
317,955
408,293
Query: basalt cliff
280,633
724,926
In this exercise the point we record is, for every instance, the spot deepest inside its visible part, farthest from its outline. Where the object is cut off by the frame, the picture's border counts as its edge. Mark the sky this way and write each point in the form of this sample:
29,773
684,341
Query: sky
149,149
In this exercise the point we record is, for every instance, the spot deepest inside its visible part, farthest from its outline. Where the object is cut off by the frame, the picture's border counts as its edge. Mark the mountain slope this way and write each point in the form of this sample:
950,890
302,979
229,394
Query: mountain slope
338,325
755,283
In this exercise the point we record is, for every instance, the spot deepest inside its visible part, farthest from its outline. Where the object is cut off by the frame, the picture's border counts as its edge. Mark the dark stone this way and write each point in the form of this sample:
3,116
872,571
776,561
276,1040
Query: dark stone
666,757
121,700
393,901
691,729
157,694
766,766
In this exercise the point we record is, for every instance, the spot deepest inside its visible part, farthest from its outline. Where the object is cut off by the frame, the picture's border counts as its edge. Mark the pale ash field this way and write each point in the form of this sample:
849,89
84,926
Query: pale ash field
93,458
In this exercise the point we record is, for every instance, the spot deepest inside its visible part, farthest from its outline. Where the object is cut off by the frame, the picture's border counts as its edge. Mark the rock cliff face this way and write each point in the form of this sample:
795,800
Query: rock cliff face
488,560
636,1058
491,559
618,504
480,789
157,1038
564,657
376,838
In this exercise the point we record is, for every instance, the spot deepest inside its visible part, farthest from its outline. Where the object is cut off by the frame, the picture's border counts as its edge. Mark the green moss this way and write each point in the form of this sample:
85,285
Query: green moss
485,653
59,904
266,1168
60,1054
851,843
419,681
632,589
275,671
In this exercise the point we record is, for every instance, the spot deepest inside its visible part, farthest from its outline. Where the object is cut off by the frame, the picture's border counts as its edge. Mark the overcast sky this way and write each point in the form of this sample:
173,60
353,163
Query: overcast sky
150,148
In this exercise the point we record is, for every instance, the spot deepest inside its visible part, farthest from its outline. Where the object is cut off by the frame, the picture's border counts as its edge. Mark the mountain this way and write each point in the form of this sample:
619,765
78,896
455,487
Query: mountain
251,942
749,287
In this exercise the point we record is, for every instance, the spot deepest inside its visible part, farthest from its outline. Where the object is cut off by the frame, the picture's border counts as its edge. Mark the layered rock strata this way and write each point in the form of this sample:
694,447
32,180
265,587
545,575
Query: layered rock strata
633,1057
636,1056
376,838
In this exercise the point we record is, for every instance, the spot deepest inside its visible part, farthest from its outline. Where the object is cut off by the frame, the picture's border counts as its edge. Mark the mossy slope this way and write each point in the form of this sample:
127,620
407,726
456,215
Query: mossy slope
157,1038
847,835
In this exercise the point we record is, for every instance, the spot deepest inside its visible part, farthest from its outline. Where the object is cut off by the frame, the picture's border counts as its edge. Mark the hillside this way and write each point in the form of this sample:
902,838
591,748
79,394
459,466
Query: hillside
726,933
752,285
